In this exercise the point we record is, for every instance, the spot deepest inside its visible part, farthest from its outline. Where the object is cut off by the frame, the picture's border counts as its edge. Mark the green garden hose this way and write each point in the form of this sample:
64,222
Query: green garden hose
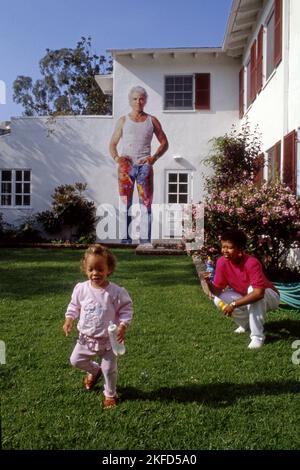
289,293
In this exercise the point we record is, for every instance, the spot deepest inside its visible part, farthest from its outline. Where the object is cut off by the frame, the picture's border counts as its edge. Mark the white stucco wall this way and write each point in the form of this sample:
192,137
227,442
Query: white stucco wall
76,149
189,132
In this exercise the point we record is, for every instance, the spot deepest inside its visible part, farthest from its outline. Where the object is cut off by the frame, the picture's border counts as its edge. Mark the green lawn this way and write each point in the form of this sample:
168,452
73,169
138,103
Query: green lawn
186,381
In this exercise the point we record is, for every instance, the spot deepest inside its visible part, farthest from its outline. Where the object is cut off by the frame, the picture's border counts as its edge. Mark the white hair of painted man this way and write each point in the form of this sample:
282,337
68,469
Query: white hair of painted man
138,89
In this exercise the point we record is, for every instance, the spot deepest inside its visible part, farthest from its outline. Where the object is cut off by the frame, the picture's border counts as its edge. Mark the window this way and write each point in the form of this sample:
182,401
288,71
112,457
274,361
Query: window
178,193
15,187
274,38
179,92
248,71
241,97
183,92
270,45
274,162
253,75
289,160
178,188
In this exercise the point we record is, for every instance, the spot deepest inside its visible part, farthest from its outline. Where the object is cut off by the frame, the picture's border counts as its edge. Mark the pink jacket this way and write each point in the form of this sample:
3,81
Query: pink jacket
97,307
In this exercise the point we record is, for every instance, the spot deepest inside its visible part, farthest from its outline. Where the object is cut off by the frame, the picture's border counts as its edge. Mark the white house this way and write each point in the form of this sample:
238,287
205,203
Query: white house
196,93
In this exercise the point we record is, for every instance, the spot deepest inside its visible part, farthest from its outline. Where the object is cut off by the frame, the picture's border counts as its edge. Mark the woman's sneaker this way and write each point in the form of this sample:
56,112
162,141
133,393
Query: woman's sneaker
240,330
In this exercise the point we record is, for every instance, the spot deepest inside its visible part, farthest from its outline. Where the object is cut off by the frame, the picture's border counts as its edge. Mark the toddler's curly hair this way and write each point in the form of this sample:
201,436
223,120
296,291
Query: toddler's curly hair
99,250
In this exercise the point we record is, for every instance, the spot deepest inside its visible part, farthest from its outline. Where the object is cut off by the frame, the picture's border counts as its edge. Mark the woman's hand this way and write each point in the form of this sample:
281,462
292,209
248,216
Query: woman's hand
228,310
68,325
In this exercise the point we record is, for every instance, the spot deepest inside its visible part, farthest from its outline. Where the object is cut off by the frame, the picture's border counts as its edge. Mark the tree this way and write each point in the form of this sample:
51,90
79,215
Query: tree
67,85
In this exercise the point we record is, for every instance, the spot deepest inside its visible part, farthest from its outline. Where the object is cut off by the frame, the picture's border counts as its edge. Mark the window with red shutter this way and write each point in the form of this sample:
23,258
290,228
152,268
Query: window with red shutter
260,161
259,64
202,91
274,159
278,32
289,160
241,90
253,71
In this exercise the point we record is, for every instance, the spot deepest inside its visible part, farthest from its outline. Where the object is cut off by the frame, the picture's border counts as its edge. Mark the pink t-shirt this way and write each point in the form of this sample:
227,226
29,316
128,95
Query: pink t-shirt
240,276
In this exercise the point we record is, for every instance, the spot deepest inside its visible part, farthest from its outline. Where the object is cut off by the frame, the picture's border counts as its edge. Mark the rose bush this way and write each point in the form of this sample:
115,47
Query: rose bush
269,213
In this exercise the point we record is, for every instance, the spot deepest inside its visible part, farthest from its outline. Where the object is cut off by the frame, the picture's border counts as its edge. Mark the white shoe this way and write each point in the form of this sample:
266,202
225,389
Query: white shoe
240,330
146,245
256,343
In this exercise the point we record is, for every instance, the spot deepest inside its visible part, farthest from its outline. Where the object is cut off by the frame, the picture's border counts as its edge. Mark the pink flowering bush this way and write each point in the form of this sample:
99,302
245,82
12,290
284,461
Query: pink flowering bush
269,215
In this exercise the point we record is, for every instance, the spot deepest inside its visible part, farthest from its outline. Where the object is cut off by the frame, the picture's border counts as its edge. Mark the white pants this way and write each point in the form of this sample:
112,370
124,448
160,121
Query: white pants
252,316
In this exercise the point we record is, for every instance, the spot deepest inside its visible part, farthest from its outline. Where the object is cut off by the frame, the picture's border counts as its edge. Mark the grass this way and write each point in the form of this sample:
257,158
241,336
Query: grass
186,382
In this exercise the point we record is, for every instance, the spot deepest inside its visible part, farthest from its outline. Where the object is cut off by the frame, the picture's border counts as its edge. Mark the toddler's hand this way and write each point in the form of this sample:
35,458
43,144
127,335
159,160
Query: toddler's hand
68,325
121,333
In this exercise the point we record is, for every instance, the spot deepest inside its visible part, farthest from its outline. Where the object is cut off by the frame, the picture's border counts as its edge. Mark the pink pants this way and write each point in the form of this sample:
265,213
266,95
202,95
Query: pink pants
81,358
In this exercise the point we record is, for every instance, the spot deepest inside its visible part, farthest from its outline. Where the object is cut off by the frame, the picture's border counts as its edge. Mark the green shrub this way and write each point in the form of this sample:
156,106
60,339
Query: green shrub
71,212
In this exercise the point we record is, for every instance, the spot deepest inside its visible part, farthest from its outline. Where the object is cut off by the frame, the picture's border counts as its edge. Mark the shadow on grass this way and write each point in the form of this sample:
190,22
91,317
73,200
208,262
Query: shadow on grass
216,395
282,329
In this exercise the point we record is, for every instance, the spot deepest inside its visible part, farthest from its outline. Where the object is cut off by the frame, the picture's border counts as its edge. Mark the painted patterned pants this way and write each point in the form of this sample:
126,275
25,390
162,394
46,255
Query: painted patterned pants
252,316
81,358
143,175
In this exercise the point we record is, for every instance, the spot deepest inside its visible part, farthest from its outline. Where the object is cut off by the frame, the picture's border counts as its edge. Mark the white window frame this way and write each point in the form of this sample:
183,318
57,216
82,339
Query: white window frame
173,212
247,81
189,184
267,41
192,108
13,193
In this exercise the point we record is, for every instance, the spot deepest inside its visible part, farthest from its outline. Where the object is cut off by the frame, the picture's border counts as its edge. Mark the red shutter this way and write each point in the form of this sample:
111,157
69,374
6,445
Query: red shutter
260,161
241,90
278,33
277,159
253,72
259,64
289,160
202,91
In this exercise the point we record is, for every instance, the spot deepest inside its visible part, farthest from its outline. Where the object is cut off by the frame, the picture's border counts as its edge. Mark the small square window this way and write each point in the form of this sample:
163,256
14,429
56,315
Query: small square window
183,177
6,175
19,175
19,188
172,198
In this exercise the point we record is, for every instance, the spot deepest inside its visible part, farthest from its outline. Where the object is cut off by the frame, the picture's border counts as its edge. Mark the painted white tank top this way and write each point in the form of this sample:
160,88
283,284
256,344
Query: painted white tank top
136,138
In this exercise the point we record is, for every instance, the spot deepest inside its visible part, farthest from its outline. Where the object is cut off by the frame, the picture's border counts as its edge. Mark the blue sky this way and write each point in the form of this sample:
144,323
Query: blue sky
28,27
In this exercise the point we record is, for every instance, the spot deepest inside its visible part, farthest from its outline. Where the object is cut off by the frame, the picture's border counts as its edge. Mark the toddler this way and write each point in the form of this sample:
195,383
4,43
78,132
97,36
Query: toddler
96,302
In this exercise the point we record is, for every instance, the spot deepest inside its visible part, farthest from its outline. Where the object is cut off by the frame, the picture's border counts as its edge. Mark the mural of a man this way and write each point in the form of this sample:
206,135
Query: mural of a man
135,161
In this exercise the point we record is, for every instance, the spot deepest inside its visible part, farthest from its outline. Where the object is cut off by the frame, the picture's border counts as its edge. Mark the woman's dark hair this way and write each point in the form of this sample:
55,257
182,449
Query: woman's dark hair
237,237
